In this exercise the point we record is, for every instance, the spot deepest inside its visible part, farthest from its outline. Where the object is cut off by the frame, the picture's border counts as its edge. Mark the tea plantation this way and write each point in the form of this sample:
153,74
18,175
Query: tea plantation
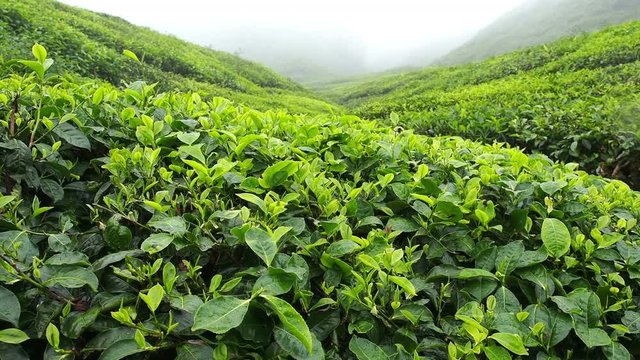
159,220
575,100
148,224
91,44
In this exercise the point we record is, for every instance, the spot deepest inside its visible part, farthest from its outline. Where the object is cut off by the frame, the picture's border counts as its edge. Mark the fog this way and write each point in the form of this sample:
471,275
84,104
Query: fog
316,40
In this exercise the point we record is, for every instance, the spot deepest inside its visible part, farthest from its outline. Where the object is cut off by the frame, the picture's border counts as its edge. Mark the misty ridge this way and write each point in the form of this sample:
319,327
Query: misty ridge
310,57
311,42
327,54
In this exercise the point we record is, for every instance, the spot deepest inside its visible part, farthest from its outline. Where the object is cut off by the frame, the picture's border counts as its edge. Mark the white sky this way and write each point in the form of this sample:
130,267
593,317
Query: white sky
381,28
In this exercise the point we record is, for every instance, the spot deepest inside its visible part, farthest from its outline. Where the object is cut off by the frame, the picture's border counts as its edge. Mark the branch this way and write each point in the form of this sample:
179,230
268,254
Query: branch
28,278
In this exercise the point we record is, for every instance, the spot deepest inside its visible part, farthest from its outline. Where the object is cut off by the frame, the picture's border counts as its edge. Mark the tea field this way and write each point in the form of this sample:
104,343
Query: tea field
143,219
575,100
90,45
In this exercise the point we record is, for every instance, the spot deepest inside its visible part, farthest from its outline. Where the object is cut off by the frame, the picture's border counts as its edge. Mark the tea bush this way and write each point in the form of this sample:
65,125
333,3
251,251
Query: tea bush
569,100
142,224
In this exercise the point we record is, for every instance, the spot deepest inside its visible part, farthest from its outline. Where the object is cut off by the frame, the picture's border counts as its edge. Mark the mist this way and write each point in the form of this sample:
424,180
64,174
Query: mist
311,41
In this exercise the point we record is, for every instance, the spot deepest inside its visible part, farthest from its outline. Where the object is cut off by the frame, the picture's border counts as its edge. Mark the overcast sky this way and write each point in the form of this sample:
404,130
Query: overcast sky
380,34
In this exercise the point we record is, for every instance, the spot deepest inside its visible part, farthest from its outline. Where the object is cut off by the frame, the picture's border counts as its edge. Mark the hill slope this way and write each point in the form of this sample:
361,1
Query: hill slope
540,21
572,100
91,45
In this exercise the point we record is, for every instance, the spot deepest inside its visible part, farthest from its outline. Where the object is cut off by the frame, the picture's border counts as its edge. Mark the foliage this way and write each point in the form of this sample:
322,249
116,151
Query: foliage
136,223
91,45
575,100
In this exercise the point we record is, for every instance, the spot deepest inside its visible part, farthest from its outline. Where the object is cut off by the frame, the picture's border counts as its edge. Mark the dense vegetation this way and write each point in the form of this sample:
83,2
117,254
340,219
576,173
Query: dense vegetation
145,224
575,100
90,45
536,22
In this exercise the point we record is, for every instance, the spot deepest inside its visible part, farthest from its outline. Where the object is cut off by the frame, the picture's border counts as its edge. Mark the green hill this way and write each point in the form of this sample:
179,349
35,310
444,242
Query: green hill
575,100
540,21
91,45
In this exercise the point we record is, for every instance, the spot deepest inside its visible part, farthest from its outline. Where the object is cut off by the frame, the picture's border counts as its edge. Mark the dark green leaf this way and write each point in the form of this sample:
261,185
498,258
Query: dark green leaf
402,224
9,307
52,189
294,347
194,352
69,276
364,349
262,244
174,225
76,323
275,282
120,350
72,135
117,237
616,351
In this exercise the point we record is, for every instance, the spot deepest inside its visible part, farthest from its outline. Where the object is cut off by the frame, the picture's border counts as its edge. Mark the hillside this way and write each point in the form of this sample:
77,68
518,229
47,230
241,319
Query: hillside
540,21
91,45
575,100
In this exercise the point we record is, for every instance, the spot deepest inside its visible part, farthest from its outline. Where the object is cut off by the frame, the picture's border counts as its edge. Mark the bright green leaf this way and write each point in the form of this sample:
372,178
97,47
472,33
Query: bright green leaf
220,314
556,237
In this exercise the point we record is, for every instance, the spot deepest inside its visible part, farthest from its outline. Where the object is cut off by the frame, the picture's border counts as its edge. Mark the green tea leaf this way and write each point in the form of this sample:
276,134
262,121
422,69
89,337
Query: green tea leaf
616,351
291,320
72,135
592,337
402,224
117,236
120,350
13,336
77,322
6,200
193,151
511,342
36,66
465,274
156,243
496,353
194,352
631,320
188,138
39,52
174,225
275,282
53,336
52,189
69,276
261,244
364,349
294,347
220,314
556,237
130,55
277,174
9,307
404,283
557,325
153,297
